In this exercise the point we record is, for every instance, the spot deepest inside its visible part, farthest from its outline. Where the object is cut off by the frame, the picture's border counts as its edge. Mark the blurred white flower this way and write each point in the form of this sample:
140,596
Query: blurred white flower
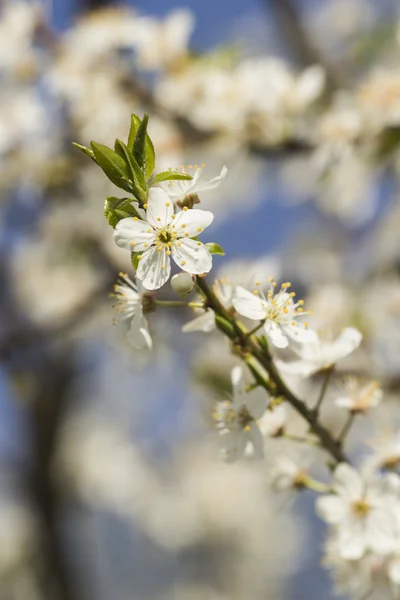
236,420
223,289
286,474
179,189
129,304
273,421
163,43
278,311
359,398
322,354
364,511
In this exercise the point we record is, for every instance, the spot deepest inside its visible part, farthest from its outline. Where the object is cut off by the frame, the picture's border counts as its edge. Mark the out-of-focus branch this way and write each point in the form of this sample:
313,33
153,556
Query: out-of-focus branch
304,52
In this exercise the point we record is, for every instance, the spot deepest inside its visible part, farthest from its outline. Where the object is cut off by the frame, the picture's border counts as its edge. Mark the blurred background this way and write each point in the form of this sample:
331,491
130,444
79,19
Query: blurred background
110,483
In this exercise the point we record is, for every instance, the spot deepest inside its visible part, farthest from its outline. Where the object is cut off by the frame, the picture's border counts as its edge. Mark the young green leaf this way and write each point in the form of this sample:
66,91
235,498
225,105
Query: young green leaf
139,144
116,209
135,259
150,155
214,249
171,176
85,150
135,122
135,172
113,165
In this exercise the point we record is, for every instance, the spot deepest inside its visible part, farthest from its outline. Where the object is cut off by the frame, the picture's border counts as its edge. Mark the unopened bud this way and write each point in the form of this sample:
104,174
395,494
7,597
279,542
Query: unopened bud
188,201
182,283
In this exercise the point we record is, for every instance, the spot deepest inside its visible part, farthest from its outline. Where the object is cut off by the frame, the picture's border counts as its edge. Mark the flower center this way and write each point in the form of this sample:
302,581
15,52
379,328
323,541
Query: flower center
361,508
165,238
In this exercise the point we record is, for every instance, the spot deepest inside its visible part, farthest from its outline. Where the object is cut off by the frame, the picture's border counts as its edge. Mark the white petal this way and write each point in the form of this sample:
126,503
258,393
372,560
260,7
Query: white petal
300,333
232,445
129,230
394,571
238,387
310,85
348,482
331,509
150,271
351,540
138,334
213,183
192,256
248,305
206,323
256,402
276,334
297,367
192,222
380,532
255,437
159,208
348,341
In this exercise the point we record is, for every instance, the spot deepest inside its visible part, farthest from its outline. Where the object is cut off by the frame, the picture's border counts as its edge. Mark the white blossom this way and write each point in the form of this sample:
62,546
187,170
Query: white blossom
358,398
223,289
278,311
165,233
129,304
179,189
285,474
236,420
273,422
364,512
322,354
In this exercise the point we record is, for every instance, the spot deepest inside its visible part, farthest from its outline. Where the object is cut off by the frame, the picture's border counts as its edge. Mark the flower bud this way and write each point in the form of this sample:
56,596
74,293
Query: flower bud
182,283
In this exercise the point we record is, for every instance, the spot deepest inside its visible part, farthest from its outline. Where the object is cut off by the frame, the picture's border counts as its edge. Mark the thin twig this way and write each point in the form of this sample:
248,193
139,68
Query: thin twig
251,347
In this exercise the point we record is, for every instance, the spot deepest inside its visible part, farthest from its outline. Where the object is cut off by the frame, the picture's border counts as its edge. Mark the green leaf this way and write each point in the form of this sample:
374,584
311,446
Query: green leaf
135,259
171,176
139,143
85,150
135,122
113,165
116,209
215,249
149,152
135,173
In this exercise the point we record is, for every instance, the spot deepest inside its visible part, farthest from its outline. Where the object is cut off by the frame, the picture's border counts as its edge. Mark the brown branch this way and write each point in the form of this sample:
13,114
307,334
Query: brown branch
304,52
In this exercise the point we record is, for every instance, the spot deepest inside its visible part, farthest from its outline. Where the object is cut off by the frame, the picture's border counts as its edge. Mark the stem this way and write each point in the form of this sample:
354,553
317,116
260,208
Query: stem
255,329
316,486
322,393
346,427
263,357
302,439
178,303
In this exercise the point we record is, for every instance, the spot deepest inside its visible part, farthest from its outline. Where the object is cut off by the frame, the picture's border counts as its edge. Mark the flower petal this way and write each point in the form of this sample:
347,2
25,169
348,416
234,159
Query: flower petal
205,322
256,402
254,436
248,305
238,388
347,482
132,235
332,509
160,208
154,268
189,223
299,333
348,341
138,333
276,334
211,184
192,256
297,367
